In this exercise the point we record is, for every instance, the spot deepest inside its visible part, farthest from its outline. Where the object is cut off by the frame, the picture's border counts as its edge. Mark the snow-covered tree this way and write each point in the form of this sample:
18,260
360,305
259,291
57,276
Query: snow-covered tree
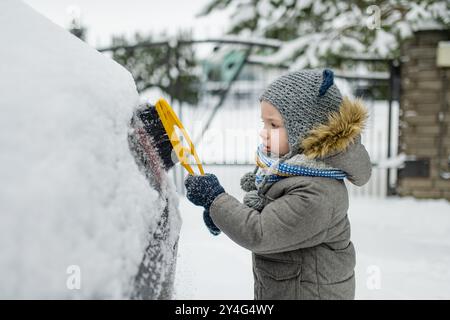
170,66
313,31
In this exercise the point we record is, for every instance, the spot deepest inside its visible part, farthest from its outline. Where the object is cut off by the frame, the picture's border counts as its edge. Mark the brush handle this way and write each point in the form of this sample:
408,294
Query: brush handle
170,120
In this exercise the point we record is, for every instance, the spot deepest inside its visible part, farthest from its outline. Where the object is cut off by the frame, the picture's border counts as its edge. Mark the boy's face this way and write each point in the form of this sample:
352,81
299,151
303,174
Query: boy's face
274,134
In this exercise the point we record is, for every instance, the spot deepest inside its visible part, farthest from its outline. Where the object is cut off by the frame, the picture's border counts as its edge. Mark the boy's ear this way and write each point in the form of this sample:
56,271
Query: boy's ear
327,82
339,132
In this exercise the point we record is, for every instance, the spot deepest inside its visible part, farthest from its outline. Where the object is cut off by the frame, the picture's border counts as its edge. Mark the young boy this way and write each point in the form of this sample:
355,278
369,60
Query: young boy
294,215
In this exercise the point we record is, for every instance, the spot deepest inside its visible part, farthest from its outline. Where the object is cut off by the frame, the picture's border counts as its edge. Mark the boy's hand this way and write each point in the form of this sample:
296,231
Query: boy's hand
202,190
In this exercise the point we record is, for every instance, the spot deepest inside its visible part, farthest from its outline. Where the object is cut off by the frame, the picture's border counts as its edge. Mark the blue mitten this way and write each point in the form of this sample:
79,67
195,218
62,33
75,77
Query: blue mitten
210,224
201,191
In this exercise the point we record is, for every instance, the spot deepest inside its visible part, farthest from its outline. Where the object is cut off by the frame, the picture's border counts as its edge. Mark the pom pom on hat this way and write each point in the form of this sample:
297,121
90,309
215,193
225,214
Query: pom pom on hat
248,181
253,200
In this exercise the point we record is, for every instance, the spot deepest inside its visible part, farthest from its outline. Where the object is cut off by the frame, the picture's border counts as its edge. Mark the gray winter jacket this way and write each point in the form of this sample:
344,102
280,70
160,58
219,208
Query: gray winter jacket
300,241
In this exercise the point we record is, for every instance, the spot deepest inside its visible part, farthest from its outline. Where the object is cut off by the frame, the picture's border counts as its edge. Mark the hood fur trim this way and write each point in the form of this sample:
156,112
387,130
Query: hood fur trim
339,132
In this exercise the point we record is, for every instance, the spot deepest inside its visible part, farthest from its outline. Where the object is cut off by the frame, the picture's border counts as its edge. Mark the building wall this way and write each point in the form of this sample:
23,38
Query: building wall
424,95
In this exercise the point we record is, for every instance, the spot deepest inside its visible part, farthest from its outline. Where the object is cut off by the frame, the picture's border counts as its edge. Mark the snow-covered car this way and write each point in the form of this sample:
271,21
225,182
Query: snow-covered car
78,217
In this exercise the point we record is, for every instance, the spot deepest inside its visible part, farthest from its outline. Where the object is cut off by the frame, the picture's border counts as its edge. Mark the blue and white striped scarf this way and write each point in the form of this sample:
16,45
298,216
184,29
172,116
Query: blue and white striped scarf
277,171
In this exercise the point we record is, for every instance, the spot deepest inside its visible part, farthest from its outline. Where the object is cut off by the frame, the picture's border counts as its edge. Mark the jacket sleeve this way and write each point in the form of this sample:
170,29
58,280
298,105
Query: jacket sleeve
298,219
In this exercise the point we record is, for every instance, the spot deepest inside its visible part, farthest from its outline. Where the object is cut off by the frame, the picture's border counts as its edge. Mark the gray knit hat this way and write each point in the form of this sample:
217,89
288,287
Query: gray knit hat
305,99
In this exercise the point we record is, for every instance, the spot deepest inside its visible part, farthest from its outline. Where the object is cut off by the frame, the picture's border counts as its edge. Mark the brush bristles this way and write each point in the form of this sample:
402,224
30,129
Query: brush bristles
155,129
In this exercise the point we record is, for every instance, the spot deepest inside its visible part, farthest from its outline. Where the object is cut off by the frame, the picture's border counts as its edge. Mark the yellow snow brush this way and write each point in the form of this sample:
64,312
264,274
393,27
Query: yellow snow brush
170,120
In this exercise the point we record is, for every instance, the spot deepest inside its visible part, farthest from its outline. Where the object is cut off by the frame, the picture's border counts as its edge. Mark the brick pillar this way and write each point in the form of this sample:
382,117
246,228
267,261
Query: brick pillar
423,96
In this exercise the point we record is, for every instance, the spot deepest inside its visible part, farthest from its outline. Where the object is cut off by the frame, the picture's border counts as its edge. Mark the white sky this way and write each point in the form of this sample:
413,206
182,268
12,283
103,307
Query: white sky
104,18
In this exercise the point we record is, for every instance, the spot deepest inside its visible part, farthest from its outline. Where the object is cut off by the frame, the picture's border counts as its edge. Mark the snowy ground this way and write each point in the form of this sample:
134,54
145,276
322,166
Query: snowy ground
402,248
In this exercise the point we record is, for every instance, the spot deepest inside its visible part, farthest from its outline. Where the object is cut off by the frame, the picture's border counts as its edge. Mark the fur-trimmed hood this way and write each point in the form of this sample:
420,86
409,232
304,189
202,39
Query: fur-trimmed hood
339,132
338,142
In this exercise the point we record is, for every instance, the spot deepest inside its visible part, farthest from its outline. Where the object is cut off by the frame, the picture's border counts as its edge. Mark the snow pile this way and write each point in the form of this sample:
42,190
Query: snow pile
74,209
